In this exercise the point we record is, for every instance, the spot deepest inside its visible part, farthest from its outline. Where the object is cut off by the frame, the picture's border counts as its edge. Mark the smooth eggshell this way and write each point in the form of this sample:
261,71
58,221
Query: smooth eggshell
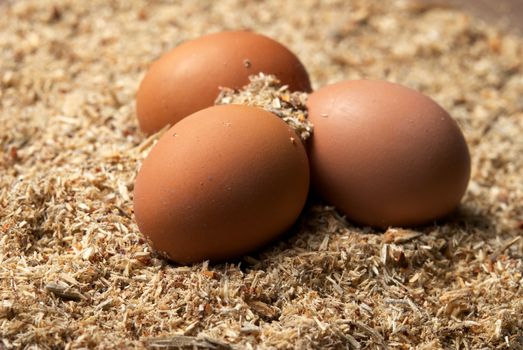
386,155
188,78
220,183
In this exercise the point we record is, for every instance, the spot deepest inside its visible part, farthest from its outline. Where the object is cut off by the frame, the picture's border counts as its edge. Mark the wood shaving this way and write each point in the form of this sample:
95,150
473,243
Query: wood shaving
267,92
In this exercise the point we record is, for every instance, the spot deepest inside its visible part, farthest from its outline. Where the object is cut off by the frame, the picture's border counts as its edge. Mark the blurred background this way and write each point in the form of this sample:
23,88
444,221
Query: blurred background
506,13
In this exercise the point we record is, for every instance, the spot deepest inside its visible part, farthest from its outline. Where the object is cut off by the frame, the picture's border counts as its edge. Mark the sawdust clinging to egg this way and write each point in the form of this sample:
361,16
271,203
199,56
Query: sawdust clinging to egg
267,92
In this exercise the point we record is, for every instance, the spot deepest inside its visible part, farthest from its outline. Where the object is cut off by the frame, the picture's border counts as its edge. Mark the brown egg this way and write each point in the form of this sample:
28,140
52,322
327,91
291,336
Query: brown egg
188,78
386,155
220,183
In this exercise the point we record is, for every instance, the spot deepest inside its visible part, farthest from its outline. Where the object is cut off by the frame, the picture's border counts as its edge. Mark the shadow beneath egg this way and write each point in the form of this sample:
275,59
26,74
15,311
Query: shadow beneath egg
276,248
313,225
468,217
317,220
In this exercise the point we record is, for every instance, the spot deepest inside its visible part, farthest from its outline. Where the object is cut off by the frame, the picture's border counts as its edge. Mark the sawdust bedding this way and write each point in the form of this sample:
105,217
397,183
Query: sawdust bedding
75,272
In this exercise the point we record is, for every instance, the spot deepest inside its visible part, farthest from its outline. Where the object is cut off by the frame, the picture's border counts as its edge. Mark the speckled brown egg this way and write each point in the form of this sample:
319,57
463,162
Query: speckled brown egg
386,155
220,183
188,78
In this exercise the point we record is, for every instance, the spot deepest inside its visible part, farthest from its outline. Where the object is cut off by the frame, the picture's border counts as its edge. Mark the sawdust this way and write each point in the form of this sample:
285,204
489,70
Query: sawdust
267,92
76,273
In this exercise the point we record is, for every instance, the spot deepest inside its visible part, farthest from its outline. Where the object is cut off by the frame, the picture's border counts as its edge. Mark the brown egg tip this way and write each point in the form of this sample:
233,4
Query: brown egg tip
267,92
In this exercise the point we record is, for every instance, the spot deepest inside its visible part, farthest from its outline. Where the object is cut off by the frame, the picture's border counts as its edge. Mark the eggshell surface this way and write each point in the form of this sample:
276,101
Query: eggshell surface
188,78
386,155
220,183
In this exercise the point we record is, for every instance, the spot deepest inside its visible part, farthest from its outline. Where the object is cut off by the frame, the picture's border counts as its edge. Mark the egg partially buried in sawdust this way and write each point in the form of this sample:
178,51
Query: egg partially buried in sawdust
386,155
220,183
188,78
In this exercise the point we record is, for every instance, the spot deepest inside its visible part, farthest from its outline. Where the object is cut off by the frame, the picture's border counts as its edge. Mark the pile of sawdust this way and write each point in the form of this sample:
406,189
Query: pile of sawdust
76,273
267,92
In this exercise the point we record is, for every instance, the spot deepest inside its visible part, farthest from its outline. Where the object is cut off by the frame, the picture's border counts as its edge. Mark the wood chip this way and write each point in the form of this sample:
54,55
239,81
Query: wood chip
183,342
64,292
